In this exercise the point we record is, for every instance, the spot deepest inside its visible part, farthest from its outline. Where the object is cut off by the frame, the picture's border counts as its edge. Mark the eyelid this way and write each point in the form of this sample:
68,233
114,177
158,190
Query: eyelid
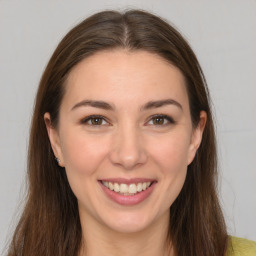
88,118
168,118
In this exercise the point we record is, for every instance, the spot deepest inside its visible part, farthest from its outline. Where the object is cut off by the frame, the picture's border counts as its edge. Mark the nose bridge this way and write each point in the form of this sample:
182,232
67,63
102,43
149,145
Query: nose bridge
127,149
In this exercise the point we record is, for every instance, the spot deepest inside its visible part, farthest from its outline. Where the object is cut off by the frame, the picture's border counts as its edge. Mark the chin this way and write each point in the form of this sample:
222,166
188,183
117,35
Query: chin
129,222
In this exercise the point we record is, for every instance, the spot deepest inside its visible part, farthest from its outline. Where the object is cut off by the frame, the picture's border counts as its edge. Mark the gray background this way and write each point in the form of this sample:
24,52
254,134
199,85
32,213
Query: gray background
223,35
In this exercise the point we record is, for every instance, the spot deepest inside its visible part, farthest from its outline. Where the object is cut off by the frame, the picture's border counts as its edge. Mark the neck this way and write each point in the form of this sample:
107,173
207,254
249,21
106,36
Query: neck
99,239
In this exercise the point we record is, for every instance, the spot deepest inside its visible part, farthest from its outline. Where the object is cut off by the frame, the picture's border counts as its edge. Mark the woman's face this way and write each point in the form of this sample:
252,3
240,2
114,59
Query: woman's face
125,138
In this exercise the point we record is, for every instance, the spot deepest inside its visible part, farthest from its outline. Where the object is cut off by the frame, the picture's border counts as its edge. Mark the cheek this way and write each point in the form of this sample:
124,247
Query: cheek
83,154
172,157
171,153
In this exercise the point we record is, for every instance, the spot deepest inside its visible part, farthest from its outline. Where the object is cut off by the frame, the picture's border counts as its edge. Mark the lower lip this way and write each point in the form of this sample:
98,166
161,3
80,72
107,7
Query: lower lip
128,200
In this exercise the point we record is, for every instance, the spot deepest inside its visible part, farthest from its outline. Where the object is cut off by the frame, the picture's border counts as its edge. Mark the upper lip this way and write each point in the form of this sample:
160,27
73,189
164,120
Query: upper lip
128,181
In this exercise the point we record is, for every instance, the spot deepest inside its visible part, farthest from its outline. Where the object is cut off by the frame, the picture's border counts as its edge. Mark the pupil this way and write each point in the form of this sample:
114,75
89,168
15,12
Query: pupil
96,121
158,120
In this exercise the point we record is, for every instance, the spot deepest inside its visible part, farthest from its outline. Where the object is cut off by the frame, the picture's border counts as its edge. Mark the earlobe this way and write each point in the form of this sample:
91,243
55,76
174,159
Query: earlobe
54,139
196,137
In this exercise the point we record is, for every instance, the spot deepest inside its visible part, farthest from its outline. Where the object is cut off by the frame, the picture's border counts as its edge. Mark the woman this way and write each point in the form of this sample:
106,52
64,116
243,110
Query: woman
122,154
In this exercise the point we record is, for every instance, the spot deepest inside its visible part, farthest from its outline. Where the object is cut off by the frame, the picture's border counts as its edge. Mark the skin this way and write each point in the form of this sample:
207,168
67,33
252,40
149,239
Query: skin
127,143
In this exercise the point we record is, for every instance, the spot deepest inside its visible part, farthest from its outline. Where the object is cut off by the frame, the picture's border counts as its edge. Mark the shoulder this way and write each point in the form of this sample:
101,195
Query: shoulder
241,247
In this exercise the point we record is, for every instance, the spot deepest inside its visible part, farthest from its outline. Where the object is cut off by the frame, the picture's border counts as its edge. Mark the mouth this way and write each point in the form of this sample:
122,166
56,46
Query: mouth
128,192
127,189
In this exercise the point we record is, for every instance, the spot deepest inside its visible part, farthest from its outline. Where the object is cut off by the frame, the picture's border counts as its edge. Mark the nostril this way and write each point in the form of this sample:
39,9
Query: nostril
128,159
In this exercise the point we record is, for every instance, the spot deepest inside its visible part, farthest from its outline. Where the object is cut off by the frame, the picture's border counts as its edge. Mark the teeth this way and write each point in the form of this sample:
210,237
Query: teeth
116,187
125,189
132,189
139,187
110,185
105,183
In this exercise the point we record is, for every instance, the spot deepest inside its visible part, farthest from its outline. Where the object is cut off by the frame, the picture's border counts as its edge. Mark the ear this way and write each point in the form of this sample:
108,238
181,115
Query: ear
54,139
196,137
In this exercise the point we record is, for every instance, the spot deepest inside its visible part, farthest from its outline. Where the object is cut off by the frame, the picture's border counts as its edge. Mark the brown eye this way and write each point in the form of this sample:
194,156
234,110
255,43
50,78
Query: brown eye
161,120
95,121
158,120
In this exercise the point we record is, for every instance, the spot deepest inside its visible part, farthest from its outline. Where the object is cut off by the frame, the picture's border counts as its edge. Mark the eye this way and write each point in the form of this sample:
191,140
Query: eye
94,121
160,120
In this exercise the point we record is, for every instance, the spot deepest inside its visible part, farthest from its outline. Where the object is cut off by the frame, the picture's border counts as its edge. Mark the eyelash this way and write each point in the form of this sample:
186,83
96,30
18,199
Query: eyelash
90,118
169,119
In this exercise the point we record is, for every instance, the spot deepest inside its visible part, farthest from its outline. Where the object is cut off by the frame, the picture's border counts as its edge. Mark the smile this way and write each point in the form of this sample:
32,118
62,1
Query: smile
127,189
128,192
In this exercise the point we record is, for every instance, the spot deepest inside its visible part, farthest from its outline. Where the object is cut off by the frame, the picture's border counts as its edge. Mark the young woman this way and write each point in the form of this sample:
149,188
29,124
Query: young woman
122,154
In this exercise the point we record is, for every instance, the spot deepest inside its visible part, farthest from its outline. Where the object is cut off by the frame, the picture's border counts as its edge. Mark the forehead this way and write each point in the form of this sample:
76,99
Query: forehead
122,75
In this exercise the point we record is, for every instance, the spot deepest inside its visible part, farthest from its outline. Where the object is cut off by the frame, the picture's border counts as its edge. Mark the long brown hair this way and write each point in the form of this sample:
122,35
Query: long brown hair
50,224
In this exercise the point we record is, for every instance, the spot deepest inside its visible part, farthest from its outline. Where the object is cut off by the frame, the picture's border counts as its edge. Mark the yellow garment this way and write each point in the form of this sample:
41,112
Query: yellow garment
241,247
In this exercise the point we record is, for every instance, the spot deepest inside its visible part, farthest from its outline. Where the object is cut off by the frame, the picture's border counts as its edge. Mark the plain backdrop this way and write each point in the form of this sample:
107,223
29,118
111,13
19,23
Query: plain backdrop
222,34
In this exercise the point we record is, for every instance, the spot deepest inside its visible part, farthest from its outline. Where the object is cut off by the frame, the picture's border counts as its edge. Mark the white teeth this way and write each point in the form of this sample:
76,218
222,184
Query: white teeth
105,183
132,188
125,189
110,185
116,187
139,187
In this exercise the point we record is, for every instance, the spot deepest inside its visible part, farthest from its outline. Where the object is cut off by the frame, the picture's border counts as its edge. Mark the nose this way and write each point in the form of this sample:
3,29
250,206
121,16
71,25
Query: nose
127,149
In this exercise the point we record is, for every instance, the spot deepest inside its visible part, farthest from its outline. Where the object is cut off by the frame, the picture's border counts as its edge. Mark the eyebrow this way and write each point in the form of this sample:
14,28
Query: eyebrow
93,103
161,103
107,106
